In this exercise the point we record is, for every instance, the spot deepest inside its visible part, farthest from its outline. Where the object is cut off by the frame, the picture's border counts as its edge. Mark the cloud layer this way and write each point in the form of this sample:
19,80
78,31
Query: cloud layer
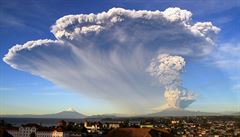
106,55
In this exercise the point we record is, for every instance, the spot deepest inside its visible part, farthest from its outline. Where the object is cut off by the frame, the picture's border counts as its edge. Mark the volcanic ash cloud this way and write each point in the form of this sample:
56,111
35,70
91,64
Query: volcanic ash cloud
167,69
104,56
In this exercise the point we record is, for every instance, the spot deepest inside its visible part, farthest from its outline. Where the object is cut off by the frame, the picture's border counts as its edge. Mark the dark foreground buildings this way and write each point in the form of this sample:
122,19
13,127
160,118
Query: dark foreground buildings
212,126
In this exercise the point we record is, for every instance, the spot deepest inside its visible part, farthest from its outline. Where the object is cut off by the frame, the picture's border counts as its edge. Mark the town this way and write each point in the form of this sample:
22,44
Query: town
214,126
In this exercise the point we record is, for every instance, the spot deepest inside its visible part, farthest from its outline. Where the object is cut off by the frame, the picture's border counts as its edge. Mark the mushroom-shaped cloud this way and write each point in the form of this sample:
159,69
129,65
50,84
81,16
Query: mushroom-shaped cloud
105,55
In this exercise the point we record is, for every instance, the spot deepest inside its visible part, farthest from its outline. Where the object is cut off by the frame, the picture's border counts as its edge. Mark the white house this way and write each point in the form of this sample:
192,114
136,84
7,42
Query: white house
39,131
92,127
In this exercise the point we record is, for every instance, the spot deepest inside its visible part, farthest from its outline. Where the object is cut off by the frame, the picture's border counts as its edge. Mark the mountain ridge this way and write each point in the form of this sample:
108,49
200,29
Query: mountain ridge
181,112
62,114
72,114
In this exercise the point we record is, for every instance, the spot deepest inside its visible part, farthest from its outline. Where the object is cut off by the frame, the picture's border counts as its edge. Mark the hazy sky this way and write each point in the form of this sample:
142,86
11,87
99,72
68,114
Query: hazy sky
212,73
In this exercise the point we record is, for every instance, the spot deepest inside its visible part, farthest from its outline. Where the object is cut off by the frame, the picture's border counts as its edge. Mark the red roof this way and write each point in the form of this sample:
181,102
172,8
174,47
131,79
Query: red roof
137,132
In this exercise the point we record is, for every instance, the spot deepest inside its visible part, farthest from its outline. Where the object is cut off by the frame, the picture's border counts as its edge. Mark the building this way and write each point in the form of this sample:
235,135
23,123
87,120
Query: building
112,124
134,123
61,123
146,125
138,132
39,131
14,131
92,127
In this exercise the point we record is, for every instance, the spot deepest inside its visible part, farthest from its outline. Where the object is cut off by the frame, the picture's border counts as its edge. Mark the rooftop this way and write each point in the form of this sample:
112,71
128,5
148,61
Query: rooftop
137,132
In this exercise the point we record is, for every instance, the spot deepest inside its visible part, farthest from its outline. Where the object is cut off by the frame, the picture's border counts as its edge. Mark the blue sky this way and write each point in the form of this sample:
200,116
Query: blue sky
217,85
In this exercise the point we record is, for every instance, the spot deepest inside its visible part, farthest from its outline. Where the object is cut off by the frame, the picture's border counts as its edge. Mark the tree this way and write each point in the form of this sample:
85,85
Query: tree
84,130
4,133
32,134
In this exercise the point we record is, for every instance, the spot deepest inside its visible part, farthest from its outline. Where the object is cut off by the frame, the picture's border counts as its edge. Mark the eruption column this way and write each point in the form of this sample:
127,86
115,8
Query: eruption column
167,69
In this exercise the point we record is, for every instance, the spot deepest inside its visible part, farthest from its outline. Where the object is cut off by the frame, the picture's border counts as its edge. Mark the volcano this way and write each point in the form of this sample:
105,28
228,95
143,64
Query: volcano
172,112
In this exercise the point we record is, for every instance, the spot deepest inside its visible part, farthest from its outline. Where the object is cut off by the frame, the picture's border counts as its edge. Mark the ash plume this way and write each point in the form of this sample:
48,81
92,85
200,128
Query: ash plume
104,56
167,69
